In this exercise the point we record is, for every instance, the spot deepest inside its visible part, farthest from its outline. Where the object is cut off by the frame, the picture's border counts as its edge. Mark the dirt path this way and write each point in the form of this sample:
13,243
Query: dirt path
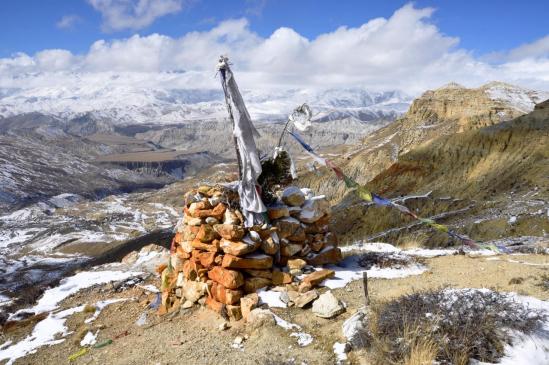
195,338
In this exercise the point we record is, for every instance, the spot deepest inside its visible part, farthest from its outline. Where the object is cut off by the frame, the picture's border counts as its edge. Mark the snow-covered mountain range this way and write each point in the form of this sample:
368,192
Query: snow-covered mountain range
123,99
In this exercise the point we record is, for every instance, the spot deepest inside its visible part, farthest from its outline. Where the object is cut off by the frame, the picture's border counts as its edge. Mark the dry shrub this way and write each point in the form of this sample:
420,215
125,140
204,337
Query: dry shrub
385,260
416,239
544,282
448,326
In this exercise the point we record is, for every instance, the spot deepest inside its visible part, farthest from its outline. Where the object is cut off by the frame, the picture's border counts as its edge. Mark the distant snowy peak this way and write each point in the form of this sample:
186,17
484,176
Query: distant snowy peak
517,97
166,102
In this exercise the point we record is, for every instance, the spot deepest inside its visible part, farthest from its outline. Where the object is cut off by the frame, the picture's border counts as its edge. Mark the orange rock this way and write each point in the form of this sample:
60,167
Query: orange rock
197,244
316,246
160,268
317,277
191,269
216,306
270,246
329,255
290,249
206,233
224,295
251,285
207,259
230,232
189,233
216,212
280,278
287,226
182,253
298,235
253,261
228,278
238,248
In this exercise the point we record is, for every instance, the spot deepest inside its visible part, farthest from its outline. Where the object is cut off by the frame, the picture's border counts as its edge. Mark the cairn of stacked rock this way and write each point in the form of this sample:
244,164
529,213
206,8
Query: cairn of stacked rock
218,262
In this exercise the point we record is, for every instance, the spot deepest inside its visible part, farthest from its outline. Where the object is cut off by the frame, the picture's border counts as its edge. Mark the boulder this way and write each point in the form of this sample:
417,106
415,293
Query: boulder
293,196
328,255
327,306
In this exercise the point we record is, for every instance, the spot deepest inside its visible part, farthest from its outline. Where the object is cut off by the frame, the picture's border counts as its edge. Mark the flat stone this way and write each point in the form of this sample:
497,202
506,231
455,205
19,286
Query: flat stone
228,278
280,277
230,232
299,235
267,274
270,245
252,261
293,196
305,298
251,285
329,255
204,246
327,306
319,276
277,212
216,306
207,259
239,248
296,264
290,249
286,226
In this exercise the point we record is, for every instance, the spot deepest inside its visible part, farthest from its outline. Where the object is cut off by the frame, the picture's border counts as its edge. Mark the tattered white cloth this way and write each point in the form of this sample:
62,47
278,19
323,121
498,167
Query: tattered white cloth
253,208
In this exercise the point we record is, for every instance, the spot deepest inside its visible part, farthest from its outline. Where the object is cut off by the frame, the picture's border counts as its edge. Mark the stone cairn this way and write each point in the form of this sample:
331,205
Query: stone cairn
217,262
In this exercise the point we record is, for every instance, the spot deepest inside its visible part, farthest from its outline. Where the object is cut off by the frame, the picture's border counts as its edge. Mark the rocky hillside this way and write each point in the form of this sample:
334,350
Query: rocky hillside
446,111
492,180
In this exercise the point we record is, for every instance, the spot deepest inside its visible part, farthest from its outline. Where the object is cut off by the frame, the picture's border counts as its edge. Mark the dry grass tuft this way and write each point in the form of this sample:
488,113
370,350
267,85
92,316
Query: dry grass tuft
414,240
447,326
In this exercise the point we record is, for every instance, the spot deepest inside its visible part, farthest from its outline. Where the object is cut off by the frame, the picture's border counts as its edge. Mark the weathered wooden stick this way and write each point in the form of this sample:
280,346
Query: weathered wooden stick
365,286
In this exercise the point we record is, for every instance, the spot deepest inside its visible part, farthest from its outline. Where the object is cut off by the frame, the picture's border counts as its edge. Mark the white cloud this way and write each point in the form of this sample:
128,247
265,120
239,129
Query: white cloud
68,21
405,51
133,14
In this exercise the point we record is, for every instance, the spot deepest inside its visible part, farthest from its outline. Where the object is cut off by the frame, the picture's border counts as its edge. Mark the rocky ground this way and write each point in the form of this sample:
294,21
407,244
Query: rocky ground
200,336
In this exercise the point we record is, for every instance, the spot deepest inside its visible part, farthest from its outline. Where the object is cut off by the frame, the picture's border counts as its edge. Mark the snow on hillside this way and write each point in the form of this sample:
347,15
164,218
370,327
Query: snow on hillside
122,98
517,97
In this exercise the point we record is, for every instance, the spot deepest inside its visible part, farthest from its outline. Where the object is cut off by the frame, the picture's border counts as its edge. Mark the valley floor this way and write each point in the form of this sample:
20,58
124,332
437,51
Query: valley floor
195,337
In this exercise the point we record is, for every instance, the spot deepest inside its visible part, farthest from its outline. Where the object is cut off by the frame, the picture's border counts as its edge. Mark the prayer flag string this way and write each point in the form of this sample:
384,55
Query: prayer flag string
368,196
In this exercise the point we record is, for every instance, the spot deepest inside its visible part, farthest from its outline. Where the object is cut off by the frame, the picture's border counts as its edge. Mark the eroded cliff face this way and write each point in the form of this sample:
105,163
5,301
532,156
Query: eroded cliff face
447,111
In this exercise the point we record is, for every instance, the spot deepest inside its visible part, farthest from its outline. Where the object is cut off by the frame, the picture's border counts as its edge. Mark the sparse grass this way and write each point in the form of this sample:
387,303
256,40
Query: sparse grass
448,326
516,281
544,282
413,240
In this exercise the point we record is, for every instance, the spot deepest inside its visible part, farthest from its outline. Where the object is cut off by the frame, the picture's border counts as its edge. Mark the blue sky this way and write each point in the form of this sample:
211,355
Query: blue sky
482,26
378,45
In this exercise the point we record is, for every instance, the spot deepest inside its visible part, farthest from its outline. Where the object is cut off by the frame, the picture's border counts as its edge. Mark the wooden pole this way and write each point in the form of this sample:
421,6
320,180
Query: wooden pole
365,286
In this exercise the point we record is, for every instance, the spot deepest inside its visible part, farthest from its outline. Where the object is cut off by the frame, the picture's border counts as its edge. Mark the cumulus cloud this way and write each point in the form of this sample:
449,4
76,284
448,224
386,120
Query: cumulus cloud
68,21
405,51
133,14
